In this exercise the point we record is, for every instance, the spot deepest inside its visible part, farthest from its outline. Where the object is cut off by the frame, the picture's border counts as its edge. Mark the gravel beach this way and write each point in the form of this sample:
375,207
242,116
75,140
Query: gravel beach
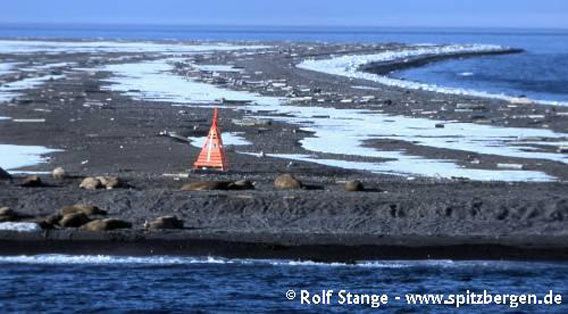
142,138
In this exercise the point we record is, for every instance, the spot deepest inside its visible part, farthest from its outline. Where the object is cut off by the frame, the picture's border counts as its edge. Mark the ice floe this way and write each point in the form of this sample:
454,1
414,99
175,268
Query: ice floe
350,66
19,226
57,47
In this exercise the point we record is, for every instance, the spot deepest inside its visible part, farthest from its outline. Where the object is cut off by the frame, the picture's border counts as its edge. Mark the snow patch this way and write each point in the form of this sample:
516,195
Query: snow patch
233,138
10,90
216,68
411,165
56,47
6,68
343,131
153,80
19,226
17,156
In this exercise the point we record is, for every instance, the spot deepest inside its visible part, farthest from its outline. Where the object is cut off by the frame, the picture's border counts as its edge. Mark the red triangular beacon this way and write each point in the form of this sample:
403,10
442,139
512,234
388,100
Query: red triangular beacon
212,154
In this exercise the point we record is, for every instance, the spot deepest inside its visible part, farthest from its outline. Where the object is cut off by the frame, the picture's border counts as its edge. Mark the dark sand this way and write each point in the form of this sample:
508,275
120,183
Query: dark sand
395,218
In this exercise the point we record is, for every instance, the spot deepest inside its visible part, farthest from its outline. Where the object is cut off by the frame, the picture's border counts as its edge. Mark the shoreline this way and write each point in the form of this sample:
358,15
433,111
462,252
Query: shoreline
301,247
386,67
107,132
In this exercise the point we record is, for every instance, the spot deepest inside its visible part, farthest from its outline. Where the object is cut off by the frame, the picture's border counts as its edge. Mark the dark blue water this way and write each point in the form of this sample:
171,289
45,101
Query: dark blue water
540,72
79,284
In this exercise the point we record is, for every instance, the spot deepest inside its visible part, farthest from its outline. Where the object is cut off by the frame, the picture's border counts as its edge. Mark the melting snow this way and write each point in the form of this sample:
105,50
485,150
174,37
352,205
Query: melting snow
10,90
408,165
152,80
216,68
17,156
19,226
25,46
234,138
6,68
345,130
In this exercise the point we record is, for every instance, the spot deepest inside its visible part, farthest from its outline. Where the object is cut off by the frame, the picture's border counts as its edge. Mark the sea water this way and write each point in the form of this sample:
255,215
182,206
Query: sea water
64,283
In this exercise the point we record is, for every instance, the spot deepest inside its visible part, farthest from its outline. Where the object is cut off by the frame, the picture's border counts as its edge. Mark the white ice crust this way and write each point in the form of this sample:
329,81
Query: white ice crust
229,138
17,156
343,131
57,47
19,226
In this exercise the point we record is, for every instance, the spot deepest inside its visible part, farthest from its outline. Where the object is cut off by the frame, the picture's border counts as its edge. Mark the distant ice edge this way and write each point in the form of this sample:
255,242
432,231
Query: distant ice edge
350,66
